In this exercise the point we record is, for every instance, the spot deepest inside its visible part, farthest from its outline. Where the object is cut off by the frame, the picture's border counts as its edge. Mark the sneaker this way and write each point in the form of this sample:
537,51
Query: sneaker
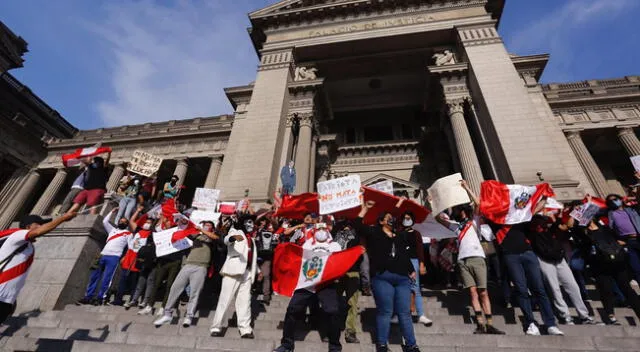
215,332
146,311
350,337
613,321
567,321
382,348
160,312
248,336
554,331
165,319
492,330
394,320
186,322
424,320
533,330
587,321
127,305
480,330
413,348
282,349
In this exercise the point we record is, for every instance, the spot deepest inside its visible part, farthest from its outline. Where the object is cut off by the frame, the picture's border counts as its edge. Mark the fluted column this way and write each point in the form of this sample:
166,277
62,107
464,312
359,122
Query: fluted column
312,164
181,170
50,193
214,171
469,163
303,153
116,176
15,205
589,165
629,140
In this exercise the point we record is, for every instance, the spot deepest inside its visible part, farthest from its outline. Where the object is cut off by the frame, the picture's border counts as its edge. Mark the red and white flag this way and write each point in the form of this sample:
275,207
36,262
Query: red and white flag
295,268
511,204
74,158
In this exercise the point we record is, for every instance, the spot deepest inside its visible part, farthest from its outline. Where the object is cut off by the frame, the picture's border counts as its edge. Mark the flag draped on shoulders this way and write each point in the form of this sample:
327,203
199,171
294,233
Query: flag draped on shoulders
511,204
295,268
73,159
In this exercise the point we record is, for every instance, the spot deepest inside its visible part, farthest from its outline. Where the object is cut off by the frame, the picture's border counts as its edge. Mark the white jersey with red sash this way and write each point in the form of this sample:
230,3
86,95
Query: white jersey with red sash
135,242
15,272
116,242
468,239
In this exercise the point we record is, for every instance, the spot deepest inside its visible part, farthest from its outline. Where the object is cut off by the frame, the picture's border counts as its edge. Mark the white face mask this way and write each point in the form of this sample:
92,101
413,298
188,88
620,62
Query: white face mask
407,222
322,236
182,226
146,226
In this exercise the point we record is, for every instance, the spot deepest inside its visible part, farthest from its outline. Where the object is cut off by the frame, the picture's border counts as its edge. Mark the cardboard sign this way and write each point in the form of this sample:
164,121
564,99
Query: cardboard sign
447,192
584,213
339,194
197,216
635,160
143,163
163,243
206,198
433,229
384,186
552,203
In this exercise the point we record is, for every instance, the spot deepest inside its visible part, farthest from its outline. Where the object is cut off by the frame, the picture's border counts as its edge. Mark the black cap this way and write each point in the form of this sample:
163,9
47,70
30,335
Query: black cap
32,219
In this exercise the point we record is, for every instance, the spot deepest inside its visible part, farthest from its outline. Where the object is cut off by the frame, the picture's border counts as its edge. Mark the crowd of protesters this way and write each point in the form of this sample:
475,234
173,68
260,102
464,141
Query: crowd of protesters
536,263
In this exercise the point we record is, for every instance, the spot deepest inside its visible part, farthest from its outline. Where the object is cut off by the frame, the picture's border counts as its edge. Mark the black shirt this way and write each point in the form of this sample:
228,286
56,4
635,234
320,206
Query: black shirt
96,177
515,240
348,238
385,253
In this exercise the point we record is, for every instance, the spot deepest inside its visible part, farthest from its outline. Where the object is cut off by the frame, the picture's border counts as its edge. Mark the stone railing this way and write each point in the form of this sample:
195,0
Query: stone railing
599,88
383,152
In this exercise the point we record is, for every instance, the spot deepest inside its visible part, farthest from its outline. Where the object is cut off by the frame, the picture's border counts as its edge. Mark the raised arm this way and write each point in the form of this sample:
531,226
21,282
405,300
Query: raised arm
472,195
132,222
211,234
50,226
107,225
362,229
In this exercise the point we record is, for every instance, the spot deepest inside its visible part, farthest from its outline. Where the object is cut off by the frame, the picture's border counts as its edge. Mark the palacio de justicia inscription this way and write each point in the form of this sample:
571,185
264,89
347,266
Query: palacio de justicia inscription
404,91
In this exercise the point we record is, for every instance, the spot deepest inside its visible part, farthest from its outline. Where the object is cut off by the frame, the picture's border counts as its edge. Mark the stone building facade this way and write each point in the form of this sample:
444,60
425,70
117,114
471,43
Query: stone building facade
407,91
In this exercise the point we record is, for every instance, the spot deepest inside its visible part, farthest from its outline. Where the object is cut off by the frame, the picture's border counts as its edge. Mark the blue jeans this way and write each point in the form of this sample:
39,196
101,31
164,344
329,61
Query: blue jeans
125,208
107,265
392,293
524,272
634,258
415,287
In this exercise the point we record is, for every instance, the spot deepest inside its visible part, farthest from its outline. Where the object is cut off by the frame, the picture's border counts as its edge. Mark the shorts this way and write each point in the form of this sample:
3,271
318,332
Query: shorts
91,197
473,272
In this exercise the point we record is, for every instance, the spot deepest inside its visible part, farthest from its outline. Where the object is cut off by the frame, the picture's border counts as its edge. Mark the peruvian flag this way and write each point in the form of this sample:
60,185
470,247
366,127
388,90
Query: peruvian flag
295,268
74,158
295,206
168,209
511,204
227,208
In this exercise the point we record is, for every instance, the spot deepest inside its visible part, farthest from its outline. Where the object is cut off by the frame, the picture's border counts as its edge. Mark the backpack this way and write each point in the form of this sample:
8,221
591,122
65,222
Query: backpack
607,249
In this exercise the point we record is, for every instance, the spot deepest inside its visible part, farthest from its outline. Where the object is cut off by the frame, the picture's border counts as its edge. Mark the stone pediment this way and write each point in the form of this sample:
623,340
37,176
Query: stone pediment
397,182
288,7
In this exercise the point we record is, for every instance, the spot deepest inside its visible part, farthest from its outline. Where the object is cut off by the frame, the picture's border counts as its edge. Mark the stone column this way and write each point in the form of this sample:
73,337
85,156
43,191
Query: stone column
629,140
589,165
214,171
22,196
14,183
116,176
469,163
181,171
303,153
312,164
50,193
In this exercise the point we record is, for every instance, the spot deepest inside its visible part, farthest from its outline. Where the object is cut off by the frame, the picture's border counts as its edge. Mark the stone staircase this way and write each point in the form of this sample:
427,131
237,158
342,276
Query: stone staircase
108,328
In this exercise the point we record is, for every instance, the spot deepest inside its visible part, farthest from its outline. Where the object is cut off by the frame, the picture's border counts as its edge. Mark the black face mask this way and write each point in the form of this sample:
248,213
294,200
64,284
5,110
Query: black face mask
391,222
173,182
122,226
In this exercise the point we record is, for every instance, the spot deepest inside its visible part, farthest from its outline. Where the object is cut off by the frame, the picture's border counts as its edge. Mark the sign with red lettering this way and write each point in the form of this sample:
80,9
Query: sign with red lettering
339,194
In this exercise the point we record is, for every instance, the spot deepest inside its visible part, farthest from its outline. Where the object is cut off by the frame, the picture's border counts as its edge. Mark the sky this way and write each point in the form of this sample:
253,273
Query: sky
123,62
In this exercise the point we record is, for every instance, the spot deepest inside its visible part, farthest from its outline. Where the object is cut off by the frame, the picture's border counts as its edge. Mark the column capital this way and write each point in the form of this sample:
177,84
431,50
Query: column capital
216,159
183,161
574,134
305,118
456,105
624,130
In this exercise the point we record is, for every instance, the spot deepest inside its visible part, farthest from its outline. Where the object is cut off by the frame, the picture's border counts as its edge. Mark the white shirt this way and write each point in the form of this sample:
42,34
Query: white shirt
468,239
115,242
329,246
10,289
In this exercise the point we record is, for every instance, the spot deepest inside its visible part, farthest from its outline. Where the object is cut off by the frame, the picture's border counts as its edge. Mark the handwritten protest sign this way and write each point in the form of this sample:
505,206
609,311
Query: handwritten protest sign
447,192
206,198
384,186
339,194
143,163
635,160
584,213
163,243
197,216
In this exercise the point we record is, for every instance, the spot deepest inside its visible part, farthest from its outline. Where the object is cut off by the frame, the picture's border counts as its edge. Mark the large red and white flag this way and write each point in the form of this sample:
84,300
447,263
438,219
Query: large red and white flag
295,268
511,204
73,159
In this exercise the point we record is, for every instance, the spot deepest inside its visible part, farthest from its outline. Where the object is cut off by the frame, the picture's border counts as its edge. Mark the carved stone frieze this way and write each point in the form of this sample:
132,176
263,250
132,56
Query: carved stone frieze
276,60
479,35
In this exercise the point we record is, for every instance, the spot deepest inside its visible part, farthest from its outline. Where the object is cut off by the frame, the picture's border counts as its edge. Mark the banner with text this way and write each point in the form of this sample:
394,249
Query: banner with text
198,216
206,198
584,213
447,192
163,243
339,194
384,186
143,163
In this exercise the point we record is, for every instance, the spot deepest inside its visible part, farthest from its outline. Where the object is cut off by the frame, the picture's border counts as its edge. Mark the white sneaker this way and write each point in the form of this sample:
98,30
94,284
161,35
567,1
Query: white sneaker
553,330
424,320
146,310
127,305
394,320
533,330
165,319
160,312
186,322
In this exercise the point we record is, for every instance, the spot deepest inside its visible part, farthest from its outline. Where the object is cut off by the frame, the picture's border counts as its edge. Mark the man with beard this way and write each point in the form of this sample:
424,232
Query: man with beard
238,273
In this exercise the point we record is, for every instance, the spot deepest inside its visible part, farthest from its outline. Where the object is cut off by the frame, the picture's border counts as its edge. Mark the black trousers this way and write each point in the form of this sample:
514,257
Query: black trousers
328,299
6,310
605,276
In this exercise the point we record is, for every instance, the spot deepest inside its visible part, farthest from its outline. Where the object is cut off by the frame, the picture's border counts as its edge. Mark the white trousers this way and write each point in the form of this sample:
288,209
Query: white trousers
236,288
560,275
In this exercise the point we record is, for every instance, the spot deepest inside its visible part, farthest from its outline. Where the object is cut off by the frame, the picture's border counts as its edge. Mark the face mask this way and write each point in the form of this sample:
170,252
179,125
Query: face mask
391,222
146,226
122,226
173,182
182,226
617,203
322,236
285,226
407,222
207,228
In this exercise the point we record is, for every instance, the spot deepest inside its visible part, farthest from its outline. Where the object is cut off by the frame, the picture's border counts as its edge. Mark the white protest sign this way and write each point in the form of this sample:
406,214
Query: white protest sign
552,203
384,186
447,192
197,216
635,160
339,194
206,198
433,229
584,213
163,243
144,163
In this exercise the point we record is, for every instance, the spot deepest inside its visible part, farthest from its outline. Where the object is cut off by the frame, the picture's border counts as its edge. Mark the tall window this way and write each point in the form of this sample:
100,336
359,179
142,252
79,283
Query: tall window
350,135
378,133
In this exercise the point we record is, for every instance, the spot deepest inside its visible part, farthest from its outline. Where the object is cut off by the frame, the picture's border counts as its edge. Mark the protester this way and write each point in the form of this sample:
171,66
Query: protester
144,259
626,223
95,185
170,189
392,275
129,187
147,190
266,242
302,232
239,271
76,188
104,268
192,274
327,296
17,254
349,284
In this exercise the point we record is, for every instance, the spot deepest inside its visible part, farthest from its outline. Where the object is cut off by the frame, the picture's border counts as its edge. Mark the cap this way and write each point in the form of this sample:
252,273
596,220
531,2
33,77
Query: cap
32,219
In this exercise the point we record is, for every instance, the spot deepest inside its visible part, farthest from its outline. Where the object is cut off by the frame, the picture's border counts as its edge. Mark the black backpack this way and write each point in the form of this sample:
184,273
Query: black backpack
607,249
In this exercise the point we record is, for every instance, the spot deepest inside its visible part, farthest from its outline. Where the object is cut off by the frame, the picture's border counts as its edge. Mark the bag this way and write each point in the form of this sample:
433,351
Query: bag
488,247
607,249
